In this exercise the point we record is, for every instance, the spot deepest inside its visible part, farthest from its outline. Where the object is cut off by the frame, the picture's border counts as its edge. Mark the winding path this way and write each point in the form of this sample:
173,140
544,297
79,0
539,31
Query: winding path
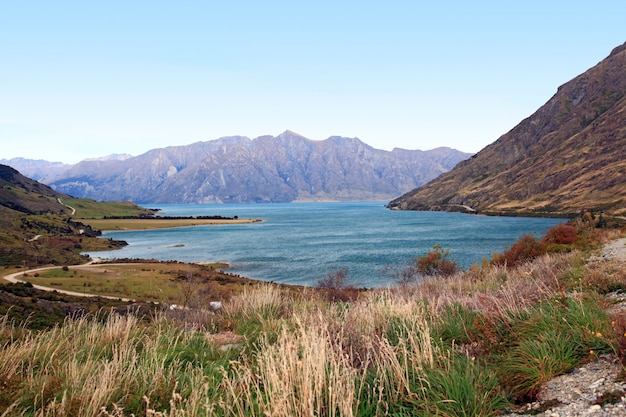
14,279
65,205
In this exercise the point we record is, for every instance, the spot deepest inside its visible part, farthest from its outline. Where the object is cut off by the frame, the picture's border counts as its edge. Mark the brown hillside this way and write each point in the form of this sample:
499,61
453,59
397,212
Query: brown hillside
568,156
28,196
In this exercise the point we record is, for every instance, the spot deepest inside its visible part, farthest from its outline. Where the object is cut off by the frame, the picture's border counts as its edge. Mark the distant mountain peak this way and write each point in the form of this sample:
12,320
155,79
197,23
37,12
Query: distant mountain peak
291,133
112,157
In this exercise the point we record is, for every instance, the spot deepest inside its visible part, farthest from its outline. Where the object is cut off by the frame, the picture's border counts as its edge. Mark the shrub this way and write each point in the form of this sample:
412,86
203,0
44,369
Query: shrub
436,262
336,287
561,234
561,238
523,250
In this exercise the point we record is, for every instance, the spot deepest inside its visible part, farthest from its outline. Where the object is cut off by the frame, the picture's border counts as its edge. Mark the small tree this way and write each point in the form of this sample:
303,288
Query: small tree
436,262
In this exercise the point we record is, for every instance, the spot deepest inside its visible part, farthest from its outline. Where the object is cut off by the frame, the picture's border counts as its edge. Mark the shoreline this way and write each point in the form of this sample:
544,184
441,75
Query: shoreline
157,223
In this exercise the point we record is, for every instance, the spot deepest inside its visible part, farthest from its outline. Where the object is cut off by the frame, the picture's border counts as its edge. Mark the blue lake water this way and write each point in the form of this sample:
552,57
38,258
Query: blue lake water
299,243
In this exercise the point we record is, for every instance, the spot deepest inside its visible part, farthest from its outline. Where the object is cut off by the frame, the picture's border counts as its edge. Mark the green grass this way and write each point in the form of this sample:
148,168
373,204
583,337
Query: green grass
458,386
91,209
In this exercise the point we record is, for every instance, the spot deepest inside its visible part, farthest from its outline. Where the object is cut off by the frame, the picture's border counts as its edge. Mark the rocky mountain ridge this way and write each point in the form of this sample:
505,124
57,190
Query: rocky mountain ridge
288,167
568,156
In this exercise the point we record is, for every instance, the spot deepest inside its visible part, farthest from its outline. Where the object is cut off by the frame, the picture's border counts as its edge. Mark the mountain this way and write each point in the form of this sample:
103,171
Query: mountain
37,169
112,157
568,156
237,169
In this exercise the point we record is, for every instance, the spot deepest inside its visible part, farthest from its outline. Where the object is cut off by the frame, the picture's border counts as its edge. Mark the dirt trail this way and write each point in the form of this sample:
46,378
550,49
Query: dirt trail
14,279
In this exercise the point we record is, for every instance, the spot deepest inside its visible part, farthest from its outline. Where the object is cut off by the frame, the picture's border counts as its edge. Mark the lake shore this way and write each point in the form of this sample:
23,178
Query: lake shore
158,223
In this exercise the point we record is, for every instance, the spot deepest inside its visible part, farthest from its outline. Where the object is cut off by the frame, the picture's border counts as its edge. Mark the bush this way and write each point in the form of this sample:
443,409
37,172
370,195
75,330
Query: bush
561,234
335,286
523,250
436,262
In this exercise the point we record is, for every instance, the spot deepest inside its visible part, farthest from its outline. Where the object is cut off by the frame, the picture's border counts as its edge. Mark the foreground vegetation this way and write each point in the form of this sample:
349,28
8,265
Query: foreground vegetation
465,343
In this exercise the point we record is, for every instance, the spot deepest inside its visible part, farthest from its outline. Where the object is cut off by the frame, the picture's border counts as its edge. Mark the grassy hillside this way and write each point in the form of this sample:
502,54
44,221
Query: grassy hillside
91,209
37,226
470,344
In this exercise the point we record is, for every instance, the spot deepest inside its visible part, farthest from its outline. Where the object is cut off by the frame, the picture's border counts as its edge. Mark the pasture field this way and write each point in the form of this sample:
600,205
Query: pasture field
163,282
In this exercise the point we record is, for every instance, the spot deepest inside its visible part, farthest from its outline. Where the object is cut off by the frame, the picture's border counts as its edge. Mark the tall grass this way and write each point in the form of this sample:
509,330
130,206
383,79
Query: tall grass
85,365
452,346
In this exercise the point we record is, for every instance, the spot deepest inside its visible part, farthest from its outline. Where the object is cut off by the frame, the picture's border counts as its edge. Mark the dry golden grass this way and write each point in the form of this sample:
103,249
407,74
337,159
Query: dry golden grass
316,362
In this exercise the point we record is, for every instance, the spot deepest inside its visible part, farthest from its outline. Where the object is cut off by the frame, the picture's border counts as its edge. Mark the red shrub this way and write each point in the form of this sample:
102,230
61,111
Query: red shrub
436,262
524,249
561,234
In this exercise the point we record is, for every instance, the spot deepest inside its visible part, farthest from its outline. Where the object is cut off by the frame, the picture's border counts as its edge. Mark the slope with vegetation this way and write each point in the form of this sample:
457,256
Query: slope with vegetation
37,225
568,156
468,343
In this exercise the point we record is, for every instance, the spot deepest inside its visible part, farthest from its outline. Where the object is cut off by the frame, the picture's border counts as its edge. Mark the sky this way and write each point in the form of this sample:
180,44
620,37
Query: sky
81,79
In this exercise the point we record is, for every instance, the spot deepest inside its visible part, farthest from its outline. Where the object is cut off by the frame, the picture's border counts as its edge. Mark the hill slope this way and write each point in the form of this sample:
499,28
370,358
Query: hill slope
568,156
266,169
24,195
36,225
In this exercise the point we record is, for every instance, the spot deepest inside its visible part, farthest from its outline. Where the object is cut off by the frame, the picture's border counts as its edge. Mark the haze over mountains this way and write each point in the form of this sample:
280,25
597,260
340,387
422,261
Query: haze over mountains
568,156
288,167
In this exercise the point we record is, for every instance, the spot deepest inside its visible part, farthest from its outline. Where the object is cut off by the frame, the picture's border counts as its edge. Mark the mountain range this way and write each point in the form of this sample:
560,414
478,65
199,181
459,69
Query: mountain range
570,155
285,168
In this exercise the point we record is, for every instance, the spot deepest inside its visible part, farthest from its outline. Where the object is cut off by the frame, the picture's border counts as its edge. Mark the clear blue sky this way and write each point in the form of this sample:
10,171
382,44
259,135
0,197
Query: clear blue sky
86,79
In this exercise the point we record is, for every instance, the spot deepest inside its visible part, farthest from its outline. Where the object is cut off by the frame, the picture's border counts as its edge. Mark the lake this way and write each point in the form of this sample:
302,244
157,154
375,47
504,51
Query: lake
299,243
